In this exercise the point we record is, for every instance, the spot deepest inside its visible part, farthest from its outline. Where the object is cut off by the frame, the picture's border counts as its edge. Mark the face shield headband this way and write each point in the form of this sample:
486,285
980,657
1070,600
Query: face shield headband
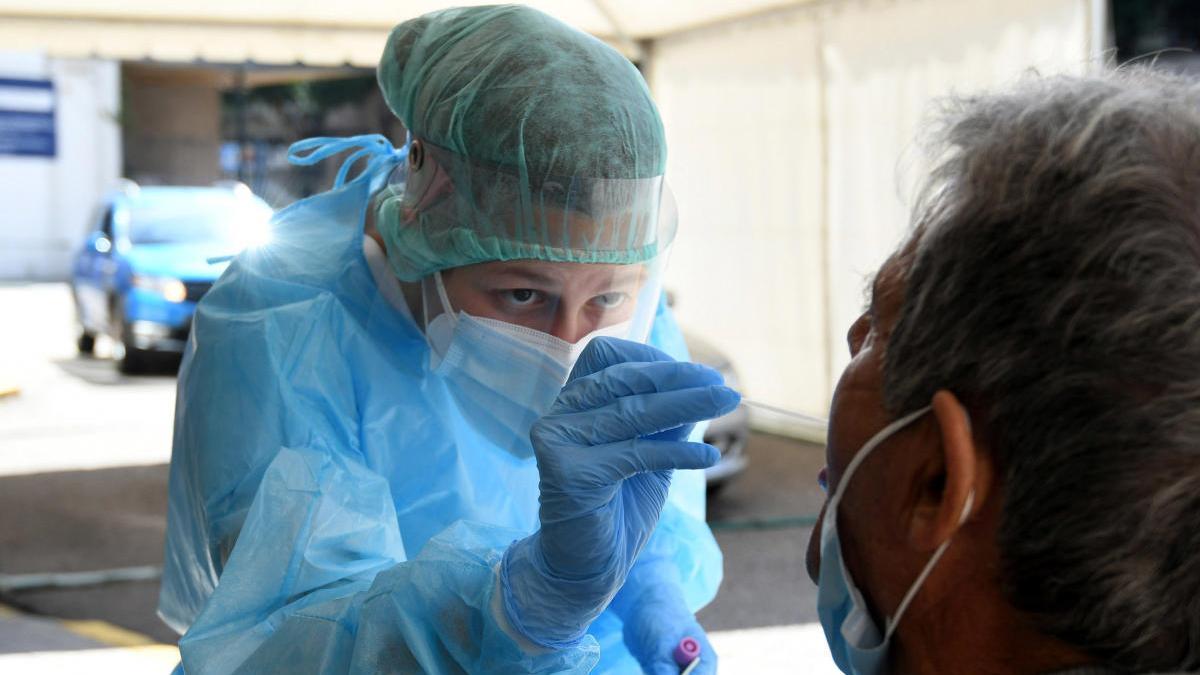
445,210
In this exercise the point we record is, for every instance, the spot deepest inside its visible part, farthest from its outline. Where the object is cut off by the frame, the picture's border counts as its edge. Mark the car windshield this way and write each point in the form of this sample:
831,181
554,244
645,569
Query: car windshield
192,217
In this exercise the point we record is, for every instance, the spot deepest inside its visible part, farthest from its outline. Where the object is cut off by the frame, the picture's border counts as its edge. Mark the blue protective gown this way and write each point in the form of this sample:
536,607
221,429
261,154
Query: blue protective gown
323,474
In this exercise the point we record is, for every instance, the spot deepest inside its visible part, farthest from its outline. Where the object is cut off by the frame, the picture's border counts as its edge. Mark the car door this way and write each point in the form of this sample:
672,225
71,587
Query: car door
93,274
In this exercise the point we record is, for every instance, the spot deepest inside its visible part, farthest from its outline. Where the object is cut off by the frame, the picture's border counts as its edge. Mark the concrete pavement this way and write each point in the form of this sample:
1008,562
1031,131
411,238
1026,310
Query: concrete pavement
32,645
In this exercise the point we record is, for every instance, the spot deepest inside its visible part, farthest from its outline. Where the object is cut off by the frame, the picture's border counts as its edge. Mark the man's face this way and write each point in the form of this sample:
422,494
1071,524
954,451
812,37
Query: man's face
866,519
566,300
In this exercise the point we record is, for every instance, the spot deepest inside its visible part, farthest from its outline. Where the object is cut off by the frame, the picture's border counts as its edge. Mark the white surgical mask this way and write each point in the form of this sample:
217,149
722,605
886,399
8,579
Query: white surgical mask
440,332
505,376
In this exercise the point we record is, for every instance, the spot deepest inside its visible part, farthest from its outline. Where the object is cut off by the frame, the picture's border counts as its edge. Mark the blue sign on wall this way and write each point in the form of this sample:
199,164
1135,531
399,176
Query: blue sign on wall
27,118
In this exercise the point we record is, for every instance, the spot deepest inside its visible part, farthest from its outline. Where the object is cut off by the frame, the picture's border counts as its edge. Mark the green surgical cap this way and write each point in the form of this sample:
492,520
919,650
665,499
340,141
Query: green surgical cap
547,144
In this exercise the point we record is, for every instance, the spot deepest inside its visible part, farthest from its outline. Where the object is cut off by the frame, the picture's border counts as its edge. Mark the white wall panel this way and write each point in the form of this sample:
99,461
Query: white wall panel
885,64
741,106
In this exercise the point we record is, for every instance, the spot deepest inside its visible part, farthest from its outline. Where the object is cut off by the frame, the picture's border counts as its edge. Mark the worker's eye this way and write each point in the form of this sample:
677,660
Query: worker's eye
521,297
610,300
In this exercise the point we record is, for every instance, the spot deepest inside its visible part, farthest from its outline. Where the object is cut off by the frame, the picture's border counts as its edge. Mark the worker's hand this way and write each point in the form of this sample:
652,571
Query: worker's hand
656,619
605,453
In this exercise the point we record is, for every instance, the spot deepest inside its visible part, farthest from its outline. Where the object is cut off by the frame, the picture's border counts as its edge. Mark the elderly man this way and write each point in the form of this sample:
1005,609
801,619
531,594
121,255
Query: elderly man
1014,449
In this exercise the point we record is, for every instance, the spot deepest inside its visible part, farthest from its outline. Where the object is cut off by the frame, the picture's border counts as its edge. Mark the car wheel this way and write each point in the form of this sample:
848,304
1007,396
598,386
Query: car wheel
130,359
86,342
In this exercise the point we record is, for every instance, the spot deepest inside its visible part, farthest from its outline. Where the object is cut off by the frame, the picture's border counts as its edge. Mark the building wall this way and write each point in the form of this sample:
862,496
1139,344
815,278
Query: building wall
792,158
48,201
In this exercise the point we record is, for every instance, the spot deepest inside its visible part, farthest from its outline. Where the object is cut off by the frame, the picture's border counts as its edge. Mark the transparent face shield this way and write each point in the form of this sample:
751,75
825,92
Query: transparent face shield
567,258
446,211
517,276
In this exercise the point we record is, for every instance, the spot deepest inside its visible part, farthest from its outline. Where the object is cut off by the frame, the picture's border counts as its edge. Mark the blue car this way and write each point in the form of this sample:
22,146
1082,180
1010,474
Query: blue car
147,262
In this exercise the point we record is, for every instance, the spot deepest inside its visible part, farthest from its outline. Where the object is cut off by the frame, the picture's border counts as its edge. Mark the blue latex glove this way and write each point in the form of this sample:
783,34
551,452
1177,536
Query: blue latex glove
605,453
656,618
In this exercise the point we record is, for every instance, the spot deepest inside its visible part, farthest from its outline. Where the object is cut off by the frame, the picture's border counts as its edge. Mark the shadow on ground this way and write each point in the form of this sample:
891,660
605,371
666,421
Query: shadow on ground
104,371
73,521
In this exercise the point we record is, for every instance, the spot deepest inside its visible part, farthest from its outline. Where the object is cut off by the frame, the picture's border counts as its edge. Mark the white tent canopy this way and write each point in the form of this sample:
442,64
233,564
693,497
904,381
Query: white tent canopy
308,32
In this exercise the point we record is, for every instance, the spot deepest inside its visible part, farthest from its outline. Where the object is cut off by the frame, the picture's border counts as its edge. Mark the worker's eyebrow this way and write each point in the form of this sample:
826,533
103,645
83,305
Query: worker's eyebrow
518,274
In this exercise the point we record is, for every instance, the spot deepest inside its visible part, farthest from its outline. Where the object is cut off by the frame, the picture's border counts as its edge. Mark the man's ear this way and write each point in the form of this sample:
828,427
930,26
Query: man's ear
956,481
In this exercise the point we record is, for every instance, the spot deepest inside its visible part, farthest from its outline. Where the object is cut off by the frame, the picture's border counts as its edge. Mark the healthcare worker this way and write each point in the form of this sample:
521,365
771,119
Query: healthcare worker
374,469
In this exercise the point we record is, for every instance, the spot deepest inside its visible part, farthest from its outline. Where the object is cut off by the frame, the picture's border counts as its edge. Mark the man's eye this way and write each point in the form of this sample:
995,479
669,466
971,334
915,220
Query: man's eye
610,300
521,297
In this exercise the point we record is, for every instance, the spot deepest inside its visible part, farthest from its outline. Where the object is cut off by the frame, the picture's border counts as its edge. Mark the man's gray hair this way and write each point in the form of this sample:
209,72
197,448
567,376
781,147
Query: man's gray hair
1053,284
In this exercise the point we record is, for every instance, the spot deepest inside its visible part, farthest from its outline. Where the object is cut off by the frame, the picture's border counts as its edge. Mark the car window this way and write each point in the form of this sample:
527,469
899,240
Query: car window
194,218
